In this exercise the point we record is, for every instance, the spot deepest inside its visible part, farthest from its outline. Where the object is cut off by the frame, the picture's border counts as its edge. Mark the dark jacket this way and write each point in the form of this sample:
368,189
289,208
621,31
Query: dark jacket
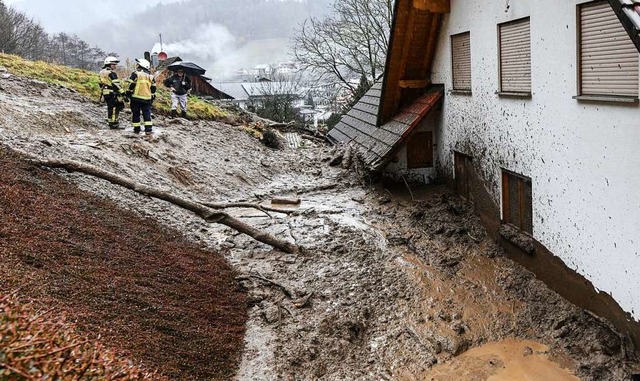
181,84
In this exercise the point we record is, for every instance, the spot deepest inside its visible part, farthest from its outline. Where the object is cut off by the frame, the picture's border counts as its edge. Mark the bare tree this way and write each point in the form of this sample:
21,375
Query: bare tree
276,99
350,43
25,37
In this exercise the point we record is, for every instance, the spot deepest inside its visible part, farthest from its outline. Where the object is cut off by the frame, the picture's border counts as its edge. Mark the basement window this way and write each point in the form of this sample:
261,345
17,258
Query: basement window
517,201
514,42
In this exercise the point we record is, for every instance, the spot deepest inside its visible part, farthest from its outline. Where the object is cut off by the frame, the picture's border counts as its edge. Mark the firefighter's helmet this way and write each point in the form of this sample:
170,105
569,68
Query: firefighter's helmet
143,63
111,60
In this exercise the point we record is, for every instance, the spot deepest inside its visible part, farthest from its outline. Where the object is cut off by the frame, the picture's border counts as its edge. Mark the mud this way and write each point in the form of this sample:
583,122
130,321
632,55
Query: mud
388,285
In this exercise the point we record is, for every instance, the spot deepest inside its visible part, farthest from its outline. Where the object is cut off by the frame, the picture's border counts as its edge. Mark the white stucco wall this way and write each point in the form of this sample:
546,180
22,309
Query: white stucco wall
399,170
583,158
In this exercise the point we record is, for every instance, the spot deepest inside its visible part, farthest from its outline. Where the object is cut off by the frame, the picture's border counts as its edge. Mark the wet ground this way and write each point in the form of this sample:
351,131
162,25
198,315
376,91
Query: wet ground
388,285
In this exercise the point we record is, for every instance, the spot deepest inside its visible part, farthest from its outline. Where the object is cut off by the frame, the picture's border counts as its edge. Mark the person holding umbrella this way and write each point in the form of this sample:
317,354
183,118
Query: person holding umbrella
180,84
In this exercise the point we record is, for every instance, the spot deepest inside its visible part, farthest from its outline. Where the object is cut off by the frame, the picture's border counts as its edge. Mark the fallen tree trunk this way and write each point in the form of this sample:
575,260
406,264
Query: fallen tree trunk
285,200
208,214
264,209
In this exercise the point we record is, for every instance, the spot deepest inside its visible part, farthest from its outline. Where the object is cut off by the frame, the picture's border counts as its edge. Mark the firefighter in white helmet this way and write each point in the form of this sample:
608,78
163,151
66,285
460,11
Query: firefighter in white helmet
142,93
111,91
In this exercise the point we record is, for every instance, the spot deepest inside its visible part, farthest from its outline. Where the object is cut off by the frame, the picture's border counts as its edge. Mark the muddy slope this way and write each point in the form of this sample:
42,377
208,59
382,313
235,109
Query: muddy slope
386,287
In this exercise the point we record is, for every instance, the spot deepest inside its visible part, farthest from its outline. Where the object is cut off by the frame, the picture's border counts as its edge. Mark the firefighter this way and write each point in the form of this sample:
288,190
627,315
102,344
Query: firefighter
111,91
142,93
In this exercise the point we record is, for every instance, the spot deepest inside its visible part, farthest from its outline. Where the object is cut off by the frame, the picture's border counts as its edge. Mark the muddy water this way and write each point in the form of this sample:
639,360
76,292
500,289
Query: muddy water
474,287
507,360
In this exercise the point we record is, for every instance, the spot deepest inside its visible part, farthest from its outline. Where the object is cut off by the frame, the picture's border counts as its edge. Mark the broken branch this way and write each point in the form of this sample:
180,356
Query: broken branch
264,209
285,200
203,211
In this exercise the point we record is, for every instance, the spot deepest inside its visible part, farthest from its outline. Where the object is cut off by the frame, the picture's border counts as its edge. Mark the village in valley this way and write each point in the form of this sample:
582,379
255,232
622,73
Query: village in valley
423,190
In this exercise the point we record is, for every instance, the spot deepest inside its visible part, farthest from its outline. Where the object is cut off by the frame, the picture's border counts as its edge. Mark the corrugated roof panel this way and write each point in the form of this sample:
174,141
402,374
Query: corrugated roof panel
234,89
405,117
368,118
338,136
394,127
371,100
360,127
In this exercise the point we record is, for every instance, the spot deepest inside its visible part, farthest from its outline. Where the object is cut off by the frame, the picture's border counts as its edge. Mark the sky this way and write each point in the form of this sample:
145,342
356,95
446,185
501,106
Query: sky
109,26
73,16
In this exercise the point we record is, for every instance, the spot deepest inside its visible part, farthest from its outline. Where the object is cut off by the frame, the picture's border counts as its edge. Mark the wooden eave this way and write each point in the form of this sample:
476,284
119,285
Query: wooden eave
412,46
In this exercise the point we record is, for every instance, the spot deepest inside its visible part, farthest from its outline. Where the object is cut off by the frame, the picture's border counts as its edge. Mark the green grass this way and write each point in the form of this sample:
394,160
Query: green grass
86,83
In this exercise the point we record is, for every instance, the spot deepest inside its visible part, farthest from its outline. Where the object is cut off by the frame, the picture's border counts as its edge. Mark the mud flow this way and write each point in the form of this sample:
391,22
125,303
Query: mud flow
387,285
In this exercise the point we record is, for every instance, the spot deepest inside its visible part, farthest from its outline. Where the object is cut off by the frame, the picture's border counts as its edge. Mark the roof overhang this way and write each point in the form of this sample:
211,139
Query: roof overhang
412,45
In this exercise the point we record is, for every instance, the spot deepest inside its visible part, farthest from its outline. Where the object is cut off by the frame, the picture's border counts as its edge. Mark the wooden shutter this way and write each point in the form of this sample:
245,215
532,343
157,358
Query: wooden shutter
608,58
515,57
517,201
461,61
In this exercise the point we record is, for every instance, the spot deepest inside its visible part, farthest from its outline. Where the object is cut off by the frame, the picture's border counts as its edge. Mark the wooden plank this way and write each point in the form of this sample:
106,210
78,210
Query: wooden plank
505,197
400,38
414,83
435,6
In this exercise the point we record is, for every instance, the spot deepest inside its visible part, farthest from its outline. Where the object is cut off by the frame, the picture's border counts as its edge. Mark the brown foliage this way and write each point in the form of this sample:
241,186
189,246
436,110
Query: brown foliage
148,293
35,347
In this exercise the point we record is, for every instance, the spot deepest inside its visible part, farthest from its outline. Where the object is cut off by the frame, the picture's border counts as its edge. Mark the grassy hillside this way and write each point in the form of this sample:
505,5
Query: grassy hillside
86,83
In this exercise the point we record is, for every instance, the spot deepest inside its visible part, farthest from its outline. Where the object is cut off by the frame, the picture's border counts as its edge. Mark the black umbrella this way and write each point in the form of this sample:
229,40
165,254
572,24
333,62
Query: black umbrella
188,67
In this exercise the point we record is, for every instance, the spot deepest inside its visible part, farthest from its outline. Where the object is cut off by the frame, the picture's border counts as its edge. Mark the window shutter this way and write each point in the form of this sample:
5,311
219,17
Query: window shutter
461,60
515,57
608,58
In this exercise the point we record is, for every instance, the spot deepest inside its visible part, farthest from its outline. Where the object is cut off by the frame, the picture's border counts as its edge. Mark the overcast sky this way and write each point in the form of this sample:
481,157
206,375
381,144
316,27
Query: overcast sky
128,28
73,16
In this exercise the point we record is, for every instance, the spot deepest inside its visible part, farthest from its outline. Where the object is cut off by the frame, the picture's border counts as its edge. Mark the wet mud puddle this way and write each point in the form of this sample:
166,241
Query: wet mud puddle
508,360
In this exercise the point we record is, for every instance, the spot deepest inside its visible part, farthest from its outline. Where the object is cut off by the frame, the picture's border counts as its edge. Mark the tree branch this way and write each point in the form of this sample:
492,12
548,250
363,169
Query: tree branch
203,211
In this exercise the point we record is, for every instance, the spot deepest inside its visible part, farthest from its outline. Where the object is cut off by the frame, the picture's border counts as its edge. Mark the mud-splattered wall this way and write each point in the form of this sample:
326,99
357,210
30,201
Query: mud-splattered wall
582,157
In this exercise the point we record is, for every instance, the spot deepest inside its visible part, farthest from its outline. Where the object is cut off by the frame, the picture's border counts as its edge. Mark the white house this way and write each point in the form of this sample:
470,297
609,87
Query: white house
538,126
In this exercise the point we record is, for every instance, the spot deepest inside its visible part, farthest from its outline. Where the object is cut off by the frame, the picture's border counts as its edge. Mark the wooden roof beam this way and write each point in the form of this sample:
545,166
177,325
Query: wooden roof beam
433,6
414,83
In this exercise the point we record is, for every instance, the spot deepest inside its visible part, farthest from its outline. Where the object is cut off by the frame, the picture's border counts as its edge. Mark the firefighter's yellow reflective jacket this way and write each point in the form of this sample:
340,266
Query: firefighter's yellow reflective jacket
109,82
143,86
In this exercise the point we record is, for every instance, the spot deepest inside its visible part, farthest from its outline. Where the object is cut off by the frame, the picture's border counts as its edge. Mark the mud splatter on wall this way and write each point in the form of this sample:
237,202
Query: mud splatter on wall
581,156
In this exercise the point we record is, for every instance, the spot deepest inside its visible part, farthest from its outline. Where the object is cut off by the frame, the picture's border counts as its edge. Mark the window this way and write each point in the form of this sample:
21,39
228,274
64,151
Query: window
608,59
517,201
420,150
515,57
461,61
